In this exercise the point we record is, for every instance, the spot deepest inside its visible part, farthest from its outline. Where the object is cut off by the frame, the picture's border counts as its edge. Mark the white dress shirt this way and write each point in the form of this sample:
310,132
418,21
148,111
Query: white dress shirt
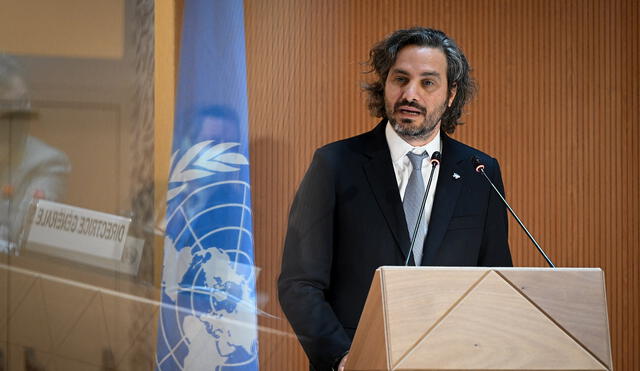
402,166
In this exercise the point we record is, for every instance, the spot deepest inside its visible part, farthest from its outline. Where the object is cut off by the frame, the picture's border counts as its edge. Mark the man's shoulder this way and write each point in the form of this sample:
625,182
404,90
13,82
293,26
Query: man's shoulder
360,144
464,151
355,143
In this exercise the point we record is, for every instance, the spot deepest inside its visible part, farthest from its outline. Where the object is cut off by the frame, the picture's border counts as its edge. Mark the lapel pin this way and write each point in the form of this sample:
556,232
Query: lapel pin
456,176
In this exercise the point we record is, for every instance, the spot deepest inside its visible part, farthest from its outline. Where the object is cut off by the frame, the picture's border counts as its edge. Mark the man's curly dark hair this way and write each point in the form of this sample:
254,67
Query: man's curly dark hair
383,55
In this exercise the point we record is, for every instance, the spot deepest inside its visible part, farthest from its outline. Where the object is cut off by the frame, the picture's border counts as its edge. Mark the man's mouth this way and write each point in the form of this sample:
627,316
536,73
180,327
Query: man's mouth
409,111
409,108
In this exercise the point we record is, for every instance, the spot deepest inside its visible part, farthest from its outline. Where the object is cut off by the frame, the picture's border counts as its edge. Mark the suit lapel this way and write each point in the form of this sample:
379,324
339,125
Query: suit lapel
445,199
381,178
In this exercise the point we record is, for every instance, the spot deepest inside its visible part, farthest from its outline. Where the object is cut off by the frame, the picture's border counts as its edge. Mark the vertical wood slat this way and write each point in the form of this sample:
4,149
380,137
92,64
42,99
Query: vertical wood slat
558,106
165,42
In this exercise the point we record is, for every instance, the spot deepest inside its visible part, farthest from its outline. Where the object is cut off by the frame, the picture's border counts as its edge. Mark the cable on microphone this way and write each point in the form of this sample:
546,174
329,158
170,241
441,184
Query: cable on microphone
479,167
435,161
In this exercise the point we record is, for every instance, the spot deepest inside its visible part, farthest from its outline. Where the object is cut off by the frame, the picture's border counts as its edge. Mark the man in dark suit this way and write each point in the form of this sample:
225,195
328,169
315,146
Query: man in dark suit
352,212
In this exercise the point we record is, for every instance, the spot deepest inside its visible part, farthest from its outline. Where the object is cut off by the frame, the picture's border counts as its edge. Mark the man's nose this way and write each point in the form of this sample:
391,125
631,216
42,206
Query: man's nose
410,92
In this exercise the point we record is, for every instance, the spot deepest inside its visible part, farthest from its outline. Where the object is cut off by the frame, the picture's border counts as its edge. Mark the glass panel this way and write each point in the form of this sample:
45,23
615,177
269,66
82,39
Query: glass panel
80,236
77,219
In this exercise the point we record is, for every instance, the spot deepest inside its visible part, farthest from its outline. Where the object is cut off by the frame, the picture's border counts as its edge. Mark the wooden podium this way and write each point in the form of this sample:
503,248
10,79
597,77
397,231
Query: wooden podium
438,318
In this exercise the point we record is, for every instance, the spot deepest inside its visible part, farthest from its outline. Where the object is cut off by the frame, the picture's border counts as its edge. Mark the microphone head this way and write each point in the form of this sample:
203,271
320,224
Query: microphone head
475,161
435,158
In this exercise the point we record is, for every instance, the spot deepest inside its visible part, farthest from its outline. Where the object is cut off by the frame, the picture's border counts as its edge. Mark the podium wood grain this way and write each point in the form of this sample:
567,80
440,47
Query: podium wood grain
407,317
483,319
369,350
580,310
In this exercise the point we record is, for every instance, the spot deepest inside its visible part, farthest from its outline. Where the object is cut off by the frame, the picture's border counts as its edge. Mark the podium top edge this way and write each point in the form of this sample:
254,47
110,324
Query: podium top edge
396,267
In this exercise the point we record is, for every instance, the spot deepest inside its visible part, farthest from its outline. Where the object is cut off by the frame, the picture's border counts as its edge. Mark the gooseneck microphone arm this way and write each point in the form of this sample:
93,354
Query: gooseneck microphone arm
480,169
435,161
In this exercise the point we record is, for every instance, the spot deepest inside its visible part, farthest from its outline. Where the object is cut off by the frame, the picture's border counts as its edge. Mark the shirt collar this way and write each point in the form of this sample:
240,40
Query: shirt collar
398,147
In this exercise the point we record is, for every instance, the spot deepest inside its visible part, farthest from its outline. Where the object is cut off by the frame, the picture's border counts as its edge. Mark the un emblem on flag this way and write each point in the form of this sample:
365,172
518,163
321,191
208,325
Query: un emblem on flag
208,317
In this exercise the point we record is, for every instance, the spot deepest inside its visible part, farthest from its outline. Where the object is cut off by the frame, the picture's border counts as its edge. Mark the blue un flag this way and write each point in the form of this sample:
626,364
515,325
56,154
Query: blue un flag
208,317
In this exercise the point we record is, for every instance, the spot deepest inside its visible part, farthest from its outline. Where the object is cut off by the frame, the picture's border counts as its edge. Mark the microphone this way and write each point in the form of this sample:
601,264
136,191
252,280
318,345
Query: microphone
435,161
479,167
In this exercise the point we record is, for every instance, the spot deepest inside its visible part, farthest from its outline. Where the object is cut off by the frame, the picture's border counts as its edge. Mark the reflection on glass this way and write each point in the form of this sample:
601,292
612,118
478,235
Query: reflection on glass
77,129
29,168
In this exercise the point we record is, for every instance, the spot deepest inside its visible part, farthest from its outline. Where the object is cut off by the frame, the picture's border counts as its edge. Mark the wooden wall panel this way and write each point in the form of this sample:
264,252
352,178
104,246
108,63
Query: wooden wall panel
558,105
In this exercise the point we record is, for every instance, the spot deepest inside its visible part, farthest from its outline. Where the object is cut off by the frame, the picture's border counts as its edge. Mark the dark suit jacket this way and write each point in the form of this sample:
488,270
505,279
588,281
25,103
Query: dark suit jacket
347,220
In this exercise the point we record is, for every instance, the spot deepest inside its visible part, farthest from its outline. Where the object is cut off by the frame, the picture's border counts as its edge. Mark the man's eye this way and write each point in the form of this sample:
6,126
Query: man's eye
427,83
400,79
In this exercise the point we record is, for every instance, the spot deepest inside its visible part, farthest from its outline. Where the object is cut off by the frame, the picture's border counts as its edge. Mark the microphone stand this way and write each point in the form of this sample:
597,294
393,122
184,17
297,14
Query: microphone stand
435,161
480,169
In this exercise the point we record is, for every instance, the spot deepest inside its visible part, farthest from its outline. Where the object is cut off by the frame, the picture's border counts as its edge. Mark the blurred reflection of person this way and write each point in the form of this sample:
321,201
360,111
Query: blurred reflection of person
29,168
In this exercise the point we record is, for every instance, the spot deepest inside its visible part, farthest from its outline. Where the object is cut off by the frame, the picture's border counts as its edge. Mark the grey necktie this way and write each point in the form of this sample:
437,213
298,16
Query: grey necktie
412,201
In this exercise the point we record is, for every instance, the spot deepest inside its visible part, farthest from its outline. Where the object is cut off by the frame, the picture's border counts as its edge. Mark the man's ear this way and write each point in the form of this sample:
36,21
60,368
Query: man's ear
452,94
